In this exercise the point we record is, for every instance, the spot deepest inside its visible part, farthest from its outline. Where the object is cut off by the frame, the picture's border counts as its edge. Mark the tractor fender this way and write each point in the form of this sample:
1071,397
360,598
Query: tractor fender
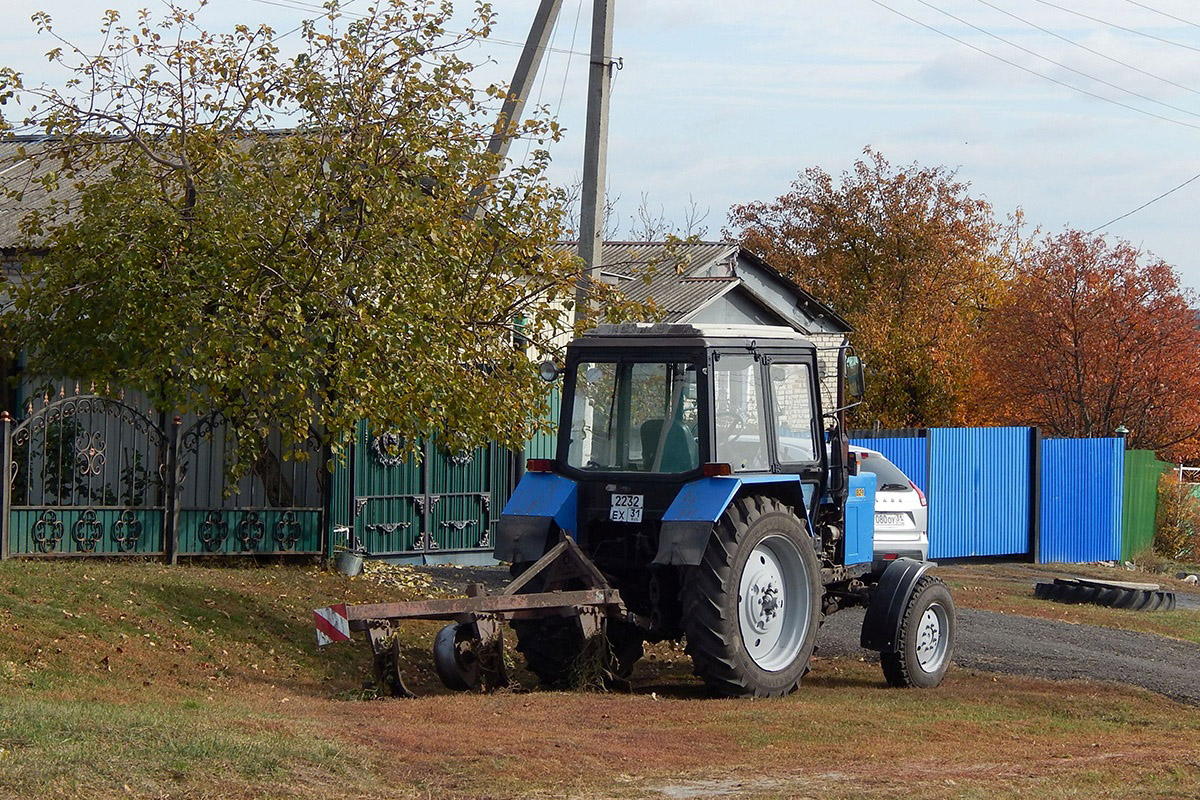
688,521
881,624
540,501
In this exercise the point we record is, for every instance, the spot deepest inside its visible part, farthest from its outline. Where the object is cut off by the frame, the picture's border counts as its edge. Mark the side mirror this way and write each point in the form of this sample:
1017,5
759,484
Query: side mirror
856,383
548,371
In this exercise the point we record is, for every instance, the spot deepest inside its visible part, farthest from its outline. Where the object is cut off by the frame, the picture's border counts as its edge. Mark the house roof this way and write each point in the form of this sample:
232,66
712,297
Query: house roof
682,278
673,276
17,173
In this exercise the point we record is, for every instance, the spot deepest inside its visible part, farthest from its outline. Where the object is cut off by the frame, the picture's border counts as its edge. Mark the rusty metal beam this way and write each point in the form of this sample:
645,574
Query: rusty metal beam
454,607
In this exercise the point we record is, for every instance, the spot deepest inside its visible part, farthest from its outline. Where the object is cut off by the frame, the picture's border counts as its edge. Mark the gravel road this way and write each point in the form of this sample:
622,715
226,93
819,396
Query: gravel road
1017,645
1008,643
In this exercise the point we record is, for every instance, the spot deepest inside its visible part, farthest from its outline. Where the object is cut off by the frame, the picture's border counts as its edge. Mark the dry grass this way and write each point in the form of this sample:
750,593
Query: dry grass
213,688
1008,588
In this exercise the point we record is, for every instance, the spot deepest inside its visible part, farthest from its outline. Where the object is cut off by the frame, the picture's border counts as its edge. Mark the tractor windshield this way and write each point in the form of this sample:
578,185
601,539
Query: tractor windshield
634,417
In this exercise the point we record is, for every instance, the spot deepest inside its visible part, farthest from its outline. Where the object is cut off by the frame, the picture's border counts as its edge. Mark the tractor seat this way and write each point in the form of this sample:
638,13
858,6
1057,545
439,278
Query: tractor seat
679,450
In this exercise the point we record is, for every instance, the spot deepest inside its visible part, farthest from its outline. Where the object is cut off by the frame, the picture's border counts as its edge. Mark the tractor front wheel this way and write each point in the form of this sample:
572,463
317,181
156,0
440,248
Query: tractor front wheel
753,605
926,638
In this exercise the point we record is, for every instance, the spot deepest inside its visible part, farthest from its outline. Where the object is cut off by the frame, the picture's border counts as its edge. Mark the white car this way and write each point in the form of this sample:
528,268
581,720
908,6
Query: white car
901,513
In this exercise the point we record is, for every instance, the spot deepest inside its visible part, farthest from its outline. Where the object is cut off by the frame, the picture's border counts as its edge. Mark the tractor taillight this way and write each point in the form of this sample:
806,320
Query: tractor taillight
714,469
920,494
539,465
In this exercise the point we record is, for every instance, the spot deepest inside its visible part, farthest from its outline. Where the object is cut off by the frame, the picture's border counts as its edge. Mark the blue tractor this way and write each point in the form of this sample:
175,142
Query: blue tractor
700,492
698,474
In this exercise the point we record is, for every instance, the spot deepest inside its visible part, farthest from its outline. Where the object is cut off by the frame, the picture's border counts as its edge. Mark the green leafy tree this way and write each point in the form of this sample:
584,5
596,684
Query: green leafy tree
296,242
909,258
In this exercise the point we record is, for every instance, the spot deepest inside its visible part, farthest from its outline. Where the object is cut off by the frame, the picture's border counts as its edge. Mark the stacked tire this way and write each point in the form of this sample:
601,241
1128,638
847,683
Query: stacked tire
1129,596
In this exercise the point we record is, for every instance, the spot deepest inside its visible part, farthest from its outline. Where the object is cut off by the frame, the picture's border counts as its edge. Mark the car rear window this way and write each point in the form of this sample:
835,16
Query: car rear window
888,475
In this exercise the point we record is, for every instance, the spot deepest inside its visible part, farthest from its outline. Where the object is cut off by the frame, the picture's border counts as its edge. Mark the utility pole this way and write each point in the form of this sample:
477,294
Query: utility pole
595,146
595,154
525,75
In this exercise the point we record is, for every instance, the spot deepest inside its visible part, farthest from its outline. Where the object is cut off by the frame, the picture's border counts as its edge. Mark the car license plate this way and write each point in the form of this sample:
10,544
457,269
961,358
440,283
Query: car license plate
890,519
627,507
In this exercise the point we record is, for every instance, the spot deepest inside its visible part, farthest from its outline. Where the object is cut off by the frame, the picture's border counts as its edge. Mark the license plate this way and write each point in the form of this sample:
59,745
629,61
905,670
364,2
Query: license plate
627,507
890,519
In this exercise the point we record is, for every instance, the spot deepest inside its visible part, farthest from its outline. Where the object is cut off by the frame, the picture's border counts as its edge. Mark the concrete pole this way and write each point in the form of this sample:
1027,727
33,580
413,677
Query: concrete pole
525,75
595,153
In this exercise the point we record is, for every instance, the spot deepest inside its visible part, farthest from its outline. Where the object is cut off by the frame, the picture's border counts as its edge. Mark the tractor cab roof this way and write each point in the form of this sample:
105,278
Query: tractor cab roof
665,334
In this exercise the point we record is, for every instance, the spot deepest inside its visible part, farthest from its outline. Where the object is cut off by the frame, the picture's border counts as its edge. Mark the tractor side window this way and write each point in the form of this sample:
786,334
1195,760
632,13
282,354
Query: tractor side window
794,419
737,409
592,440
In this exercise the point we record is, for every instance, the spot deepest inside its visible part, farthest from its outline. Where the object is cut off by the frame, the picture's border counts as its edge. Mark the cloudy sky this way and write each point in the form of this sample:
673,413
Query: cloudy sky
1077,111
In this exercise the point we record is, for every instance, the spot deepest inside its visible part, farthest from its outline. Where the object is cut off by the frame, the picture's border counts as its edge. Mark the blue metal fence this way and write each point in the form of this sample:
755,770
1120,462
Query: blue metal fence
1082,488
910,454
1008,492
979,485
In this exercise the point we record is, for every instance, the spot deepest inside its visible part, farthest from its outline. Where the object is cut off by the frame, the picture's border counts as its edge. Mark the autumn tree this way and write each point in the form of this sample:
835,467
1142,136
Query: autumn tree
298,242
908,257
1093,336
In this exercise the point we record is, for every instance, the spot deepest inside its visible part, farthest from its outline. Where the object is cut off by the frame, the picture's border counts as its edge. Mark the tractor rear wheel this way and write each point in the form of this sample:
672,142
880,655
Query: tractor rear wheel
552,646
753,605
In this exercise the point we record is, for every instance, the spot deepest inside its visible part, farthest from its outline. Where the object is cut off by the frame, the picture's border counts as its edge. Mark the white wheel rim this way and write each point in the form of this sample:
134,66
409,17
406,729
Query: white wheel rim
774,597
932,641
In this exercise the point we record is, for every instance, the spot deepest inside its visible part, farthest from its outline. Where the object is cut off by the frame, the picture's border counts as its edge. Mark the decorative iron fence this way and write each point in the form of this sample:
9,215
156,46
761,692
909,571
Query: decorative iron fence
440,507
88,475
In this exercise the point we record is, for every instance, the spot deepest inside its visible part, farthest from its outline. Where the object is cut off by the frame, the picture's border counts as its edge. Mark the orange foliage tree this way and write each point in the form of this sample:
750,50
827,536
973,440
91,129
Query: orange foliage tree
909,258
1092,336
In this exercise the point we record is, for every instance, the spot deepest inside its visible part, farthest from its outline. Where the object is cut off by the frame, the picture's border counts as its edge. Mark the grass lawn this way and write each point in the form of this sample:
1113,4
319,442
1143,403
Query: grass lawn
140,680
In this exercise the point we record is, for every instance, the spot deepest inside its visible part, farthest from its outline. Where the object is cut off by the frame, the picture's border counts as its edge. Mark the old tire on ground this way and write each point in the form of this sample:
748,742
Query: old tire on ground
1113,596
752,607
926,638
455,658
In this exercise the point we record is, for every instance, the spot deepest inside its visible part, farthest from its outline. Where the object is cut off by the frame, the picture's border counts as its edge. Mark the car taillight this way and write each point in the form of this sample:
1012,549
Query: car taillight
539,465
714,469
920,494
890,556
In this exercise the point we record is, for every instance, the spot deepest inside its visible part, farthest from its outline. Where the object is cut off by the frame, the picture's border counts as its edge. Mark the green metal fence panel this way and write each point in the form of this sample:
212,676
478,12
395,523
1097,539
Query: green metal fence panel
1142,471
243,531
85,478
89,531
90,475
341,504
437,505
543,445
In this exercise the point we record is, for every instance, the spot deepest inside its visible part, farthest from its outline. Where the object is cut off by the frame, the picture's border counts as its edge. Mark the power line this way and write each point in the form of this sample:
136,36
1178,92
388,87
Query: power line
1088,49
1163,13
1032,71
1147,203
1058,63
298,5
567,73
1118,27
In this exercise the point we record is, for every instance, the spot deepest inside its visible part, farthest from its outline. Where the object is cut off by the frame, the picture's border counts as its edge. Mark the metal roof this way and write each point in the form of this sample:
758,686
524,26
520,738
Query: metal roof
667,274
18,174
706,331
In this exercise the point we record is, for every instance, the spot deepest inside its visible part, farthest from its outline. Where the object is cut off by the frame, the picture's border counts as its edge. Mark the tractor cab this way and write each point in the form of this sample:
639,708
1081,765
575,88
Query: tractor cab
649,409
668,402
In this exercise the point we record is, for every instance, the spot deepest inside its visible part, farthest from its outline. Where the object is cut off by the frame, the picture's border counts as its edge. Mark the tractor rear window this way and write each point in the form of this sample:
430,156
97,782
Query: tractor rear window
634,417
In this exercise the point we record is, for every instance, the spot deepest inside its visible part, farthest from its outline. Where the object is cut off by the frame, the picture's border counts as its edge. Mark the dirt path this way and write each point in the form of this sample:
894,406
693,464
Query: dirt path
1017,645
